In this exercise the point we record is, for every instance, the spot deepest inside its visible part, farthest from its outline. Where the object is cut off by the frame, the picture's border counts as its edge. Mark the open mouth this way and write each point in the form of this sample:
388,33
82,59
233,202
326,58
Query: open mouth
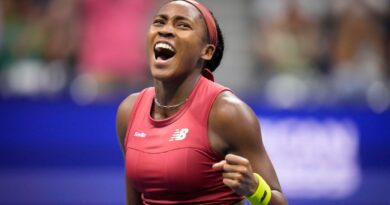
163,51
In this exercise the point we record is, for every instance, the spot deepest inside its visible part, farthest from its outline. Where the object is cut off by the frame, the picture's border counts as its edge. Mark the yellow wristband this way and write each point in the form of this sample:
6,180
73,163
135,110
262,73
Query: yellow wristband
262,195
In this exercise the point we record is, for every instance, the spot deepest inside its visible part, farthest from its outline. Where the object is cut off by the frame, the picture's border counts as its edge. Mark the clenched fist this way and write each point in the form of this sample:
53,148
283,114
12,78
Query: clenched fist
238,174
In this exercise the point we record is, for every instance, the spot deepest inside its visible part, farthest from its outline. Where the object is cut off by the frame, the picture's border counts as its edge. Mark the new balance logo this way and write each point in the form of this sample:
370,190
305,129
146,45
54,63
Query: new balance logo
179,134
139,134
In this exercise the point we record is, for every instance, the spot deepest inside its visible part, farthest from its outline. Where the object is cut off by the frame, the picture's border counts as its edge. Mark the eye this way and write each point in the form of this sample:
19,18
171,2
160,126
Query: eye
184,25
158,22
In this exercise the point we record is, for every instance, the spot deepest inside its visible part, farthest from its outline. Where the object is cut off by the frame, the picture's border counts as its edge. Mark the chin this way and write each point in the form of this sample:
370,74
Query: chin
162,74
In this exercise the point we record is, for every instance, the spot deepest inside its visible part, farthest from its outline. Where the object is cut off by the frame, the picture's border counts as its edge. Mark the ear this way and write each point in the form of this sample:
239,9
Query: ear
208,52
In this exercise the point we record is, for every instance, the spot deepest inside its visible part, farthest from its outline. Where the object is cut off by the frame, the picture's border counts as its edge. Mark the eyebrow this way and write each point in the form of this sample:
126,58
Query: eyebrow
176,17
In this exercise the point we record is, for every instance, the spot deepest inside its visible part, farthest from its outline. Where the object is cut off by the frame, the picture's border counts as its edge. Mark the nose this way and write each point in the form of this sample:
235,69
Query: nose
166,31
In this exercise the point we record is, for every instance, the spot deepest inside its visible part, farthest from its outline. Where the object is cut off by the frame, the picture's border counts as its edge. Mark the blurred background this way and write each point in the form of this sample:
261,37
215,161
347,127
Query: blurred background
316,72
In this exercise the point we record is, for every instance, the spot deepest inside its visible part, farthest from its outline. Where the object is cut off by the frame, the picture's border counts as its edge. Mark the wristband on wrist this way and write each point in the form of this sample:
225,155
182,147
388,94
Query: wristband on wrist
262,195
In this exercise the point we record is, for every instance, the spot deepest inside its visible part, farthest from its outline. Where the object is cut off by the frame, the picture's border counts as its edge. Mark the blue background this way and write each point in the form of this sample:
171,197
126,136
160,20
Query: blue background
62,153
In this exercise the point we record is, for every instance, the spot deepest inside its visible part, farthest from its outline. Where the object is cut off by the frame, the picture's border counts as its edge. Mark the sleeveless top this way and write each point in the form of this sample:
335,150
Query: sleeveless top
170,161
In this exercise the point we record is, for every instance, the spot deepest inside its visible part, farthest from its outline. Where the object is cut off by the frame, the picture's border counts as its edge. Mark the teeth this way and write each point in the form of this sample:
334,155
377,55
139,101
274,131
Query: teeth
164,45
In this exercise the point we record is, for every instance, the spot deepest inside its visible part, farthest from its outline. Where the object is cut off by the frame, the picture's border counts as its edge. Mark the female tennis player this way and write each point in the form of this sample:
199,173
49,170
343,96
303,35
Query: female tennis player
187,139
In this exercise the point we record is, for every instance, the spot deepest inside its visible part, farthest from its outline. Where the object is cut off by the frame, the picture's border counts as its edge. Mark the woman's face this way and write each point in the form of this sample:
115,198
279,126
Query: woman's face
176,41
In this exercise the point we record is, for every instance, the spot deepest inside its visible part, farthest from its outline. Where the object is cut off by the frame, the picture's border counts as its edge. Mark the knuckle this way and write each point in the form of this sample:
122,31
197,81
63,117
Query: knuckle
243,170
235,176
225,175
246,162
239,178
228,157
225,166
226,182
235,184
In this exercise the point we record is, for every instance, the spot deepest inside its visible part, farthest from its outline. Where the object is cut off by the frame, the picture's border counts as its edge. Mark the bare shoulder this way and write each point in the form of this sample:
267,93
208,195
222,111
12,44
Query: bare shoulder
229,109
233,120
126,105
123,116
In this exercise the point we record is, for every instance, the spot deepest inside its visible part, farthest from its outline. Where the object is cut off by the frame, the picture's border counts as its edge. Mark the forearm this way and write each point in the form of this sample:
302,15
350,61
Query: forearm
277,198
133,197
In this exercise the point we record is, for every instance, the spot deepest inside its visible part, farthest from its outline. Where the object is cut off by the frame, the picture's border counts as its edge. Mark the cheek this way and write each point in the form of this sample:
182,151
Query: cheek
149,37
194,45
149,42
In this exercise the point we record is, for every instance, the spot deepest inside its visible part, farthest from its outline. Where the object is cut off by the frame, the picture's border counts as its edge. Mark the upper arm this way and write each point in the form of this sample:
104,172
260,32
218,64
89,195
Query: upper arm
122,121
123,117
236,125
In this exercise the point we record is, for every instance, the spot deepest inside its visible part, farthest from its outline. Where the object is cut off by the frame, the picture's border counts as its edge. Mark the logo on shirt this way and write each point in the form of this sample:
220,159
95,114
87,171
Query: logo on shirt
140,134
179,134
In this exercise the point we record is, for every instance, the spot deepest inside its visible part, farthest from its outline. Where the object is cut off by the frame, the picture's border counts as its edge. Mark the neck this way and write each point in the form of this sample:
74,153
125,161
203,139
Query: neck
175,92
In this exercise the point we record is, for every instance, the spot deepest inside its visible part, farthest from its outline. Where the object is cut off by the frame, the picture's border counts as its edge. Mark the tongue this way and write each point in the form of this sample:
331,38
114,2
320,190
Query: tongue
161,58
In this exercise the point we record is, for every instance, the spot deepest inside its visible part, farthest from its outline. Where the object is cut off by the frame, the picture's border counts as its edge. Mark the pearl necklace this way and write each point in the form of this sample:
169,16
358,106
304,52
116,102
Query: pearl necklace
168,107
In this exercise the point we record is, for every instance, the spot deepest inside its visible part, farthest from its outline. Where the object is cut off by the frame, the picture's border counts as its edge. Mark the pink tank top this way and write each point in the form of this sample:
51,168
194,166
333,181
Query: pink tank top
170,161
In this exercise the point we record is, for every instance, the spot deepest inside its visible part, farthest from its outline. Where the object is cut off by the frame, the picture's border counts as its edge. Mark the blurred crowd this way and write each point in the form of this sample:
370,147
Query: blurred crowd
90,47
305,52
323,52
